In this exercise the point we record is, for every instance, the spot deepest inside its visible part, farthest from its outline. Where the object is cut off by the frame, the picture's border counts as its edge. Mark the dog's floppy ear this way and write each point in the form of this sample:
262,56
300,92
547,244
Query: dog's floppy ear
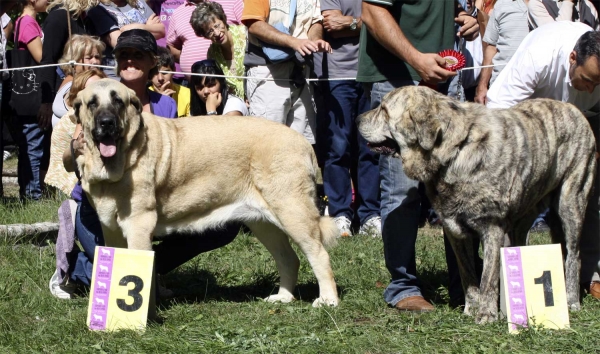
428,128
135,101
423,114
76,111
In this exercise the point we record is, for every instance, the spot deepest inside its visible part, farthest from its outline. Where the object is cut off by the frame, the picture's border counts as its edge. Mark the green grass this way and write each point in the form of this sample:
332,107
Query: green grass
218,309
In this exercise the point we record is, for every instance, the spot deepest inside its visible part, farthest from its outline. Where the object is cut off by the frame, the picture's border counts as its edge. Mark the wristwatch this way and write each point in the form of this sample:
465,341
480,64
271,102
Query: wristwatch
354,24
211,113
473,12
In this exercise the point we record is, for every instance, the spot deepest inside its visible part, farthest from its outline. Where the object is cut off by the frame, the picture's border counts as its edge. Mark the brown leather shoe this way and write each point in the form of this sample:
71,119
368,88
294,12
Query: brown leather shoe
415,304
595,289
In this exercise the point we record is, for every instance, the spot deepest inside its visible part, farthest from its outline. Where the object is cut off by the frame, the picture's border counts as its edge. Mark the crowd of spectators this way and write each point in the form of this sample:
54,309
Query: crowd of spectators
189,57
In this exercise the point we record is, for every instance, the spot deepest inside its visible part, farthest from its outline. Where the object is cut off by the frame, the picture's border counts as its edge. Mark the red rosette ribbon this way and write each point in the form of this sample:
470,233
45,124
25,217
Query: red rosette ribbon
454,60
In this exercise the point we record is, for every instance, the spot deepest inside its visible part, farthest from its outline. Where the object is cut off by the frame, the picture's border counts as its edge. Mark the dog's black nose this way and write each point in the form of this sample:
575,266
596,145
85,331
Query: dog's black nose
107,122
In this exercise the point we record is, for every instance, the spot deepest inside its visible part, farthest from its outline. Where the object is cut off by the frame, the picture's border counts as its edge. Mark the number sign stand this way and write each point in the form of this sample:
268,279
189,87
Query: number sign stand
121,288
532,287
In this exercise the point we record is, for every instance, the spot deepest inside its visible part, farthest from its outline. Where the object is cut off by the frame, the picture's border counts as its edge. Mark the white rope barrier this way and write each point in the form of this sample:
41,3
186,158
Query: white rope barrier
73,63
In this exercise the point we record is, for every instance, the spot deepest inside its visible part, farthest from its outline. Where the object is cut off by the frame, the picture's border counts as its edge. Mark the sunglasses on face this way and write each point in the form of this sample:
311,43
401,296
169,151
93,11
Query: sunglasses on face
130,54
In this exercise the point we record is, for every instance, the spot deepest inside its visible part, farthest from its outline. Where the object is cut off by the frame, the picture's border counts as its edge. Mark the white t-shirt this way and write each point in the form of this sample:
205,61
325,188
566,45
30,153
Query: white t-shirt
234,103
540,69
59,106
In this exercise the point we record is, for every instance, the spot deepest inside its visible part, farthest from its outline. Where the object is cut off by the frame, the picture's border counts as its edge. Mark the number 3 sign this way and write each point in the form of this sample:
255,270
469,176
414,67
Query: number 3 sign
120,291
532,287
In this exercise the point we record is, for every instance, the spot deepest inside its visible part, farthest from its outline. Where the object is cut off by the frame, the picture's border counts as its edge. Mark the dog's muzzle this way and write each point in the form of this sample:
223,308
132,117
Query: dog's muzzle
386,147
106,133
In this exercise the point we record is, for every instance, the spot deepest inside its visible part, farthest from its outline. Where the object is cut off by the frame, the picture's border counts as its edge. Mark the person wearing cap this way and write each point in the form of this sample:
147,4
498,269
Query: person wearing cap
136,52
111,18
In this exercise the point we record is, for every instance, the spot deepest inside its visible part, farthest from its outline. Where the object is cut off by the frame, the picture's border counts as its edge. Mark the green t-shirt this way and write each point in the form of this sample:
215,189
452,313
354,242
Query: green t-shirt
427,24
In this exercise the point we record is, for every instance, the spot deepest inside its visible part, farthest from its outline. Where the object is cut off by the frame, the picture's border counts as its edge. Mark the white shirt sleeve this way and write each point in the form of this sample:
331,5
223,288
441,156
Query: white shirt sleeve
491,33
516,83
235,103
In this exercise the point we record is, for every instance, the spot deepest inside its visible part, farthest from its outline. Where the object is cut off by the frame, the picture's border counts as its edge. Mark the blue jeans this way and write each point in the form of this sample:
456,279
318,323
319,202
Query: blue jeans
344,150
400,212
34,154
169,254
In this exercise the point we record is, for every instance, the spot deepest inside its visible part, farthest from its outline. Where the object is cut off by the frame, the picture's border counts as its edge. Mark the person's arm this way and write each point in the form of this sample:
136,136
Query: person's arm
172,40
338,25
35,48
382,26
8,30
270,34
175,52
485,75
78,145
469,26
152,25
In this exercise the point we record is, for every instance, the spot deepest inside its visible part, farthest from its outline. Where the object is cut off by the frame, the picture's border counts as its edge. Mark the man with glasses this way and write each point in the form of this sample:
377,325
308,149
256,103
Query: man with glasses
277,90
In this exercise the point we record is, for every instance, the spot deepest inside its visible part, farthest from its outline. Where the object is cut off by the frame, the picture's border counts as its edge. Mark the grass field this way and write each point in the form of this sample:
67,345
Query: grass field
218,307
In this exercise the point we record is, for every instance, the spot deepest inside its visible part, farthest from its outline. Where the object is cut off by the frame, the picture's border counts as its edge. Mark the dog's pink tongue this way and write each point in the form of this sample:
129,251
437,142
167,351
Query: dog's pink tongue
108,148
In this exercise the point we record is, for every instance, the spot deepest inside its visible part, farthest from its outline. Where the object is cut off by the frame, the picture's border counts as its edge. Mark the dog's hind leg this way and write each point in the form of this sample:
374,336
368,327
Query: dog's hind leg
278,244
465,257
571,208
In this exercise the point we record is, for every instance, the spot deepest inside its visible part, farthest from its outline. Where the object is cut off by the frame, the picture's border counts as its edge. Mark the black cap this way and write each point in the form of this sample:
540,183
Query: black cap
138,39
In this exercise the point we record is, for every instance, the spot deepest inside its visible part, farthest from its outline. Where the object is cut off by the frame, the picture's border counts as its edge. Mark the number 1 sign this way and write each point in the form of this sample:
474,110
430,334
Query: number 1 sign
532,287
120,290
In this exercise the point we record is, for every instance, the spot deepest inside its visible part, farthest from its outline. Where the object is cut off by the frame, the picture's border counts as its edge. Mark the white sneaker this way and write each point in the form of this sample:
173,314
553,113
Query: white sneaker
343,224
56,289
372,227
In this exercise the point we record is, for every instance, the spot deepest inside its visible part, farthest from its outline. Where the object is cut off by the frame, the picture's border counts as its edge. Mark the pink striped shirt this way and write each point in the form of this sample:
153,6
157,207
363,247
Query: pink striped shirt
181,34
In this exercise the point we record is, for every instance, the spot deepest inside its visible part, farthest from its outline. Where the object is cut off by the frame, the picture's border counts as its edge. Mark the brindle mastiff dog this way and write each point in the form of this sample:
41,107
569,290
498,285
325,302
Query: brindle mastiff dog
148,176
489,173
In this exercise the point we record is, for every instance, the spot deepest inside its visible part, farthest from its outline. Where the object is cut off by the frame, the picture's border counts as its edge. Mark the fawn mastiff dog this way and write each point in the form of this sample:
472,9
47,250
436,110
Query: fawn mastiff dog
148,176
488,173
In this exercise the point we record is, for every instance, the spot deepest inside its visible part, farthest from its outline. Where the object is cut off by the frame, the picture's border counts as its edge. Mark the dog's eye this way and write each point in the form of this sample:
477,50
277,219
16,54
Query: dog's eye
93,103
116,99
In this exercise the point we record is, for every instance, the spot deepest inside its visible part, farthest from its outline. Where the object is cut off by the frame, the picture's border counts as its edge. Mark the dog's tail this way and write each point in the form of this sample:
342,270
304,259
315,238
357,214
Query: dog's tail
329,231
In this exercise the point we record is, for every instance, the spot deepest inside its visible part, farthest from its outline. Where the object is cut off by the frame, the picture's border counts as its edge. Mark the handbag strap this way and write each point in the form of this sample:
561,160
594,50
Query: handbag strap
70,41
292,13
18,23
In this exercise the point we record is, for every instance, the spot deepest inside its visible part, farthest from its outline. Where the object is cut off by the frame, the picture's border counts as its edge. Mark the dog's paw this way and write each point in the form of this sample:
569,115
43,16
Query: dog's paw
575,306
486,317
283,298
325,302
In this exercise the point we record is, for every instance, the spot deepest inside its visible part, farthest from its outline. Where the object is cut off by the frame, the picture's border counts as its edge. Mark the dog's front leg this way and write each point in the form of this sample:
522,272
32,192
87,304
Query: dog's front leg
463,249
138,230
490,278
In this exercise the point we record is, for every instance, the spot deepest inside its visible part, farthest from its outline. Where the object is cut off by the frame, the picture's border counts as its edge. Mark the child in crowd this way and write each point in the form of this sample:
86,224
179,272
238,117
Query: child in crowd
33,142
163,83
228,42
82,49
211,94
63,131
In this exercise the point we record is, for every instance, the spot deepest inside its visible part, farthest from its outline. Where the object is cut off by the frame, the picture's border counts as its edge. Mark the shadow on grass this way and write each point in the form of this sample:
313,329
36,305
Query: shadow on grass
202,286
